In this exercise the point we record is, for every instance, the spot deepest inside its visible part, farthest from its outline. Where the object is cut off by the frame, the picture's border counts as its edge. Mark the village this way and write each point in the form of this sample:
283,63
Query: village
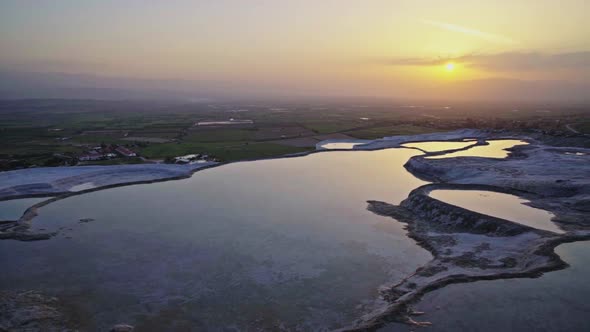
119,154
105,152
74,137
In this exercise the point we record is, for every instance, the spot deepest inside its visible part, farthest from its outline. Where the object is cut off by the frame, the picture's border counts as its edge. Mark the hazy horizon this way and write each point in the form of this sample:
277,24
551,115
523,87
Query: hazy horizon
456,50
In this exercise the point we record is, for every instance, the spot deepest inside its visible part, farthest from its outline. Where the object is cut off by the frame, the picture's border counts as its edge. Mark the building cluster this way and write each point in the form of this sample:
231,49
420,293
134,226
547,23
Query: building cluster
105,152
191,159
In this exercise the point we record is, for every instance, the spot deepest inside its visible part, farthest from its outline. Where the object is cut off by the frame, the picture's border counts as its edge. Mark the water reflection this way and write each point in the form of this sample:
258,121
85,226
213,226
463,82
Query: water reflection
340,144
499,205
251,245
437,146
495,149
14,209
558,301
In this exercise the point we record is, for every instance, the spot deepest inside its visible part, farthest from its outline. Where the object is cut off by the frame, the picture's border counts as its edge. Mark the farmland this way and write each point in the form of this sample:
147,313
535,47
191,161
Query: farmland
44,132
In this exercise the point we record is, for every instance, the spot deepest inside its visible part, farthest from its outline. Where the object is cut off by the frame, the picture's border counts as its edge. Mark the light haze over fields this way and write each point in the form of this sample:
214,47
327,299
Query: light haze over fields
455,49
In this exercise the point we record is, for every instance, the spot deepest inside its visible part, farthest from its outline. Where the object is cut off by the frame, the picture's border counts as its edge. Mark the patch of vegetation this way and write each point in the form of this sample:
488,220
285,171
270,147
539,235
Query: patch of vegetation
20,150
378,132
99,139
331,126
583,127
220,135
118,161
32,131
226,151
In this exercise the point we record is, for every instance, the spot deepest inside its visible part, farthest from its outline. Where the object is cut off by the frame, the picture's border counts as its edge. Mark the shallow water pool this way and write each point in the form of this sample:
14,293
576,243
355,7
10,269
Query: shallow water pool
438,146
499,205
13,209
555,302
250,245
495,149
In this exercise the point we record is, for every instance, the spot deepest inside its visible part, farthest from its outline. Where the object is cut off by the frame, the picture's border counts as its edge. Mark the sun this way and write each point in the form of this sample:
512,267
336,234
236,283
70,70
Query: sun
450,67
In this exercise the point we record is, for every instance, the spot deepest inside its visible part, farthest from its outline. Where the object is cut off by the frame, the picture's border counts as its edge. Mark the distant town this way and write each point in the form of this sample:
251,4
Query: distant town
113,152
47,133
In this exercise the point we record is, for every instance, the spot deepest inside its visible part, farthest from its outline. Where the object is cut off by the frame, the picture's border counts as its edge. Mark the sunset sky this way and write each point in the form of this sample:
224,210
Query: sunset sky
398,48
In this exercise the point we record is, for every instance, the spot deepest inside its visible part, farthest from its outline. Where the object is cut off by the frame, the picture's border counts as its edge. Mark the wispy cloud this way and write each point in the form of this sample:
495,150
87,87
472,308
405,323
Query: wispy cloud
528,61
471,32
510,61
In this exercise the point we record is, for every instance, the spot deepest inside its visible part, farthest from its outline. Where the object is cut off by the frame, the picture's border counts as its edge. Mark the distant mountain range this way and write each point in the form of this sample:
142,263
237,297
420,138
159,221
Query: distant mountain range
21,85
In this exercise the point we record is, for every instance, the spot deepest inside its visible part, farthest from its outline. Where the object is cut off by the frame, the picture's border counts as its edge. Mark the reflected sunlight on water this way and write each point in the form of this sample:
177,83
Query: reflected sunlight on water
499,205
342,145
288,237
495,149
555,302
438,146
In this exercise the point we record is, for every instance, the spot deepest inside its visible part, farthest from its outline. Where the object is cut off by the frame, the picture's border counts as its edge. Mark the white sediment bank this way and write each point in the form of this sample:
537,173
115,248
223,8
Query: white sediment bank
57,180
466,245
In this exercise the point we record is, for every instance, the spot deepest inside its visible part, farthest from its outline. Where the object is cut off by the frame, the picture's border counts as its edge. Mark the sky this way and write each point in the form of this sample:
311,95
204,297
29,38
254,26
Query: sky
396,48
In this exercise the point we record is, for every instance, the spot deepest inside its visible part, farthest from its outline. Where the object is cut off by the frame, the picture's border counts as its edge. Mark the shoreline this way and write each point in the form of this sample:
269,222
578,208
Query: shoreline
404,295
378,144
19,229
374,145
465,264
468,246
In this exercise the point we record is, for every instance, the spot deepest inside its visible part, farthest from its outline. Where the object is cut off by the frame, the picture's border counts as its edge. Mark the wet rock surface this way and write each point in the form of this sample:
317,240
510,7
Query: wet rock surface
32,311
20,229
469,246
122,328
14,230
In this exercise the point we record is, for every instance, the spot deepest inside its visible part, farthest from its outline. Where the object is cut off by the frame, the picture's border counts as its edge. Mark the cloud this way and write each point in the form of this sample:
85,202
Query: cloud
510,61
528,61
471,32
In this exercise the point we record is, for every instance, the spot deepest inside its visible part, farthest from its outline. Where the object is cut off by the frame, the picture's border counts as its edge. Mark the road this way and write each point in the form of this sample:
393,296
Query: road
569,127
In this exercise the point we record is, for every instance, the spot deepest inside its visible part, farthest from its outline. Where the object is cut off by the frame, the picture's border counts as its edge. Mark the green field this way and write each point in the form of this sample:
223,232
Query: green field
378,132
326,127
226,151
221,135
32,131
583,127
120,161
